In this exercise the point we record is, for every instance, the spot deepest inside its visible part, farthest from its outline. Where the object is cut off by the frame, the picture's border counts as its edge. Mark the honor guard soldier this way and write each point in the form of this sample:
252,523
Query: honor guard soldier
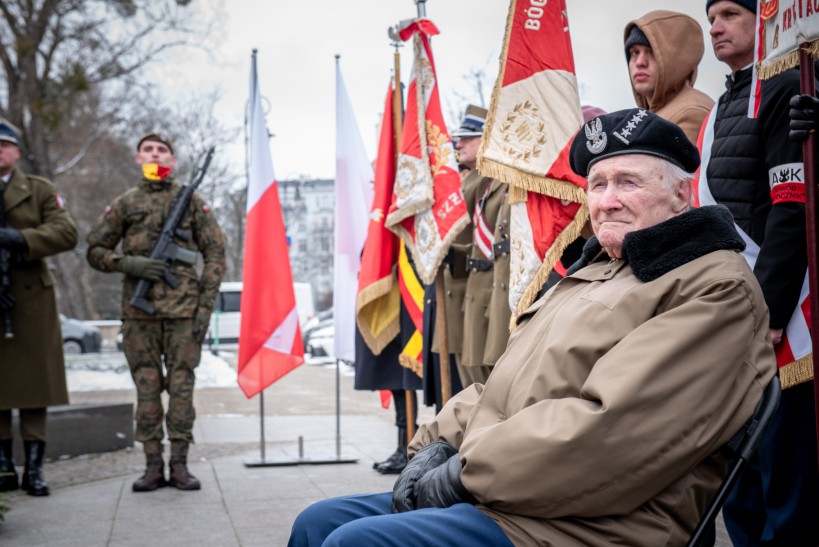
34,224
163,348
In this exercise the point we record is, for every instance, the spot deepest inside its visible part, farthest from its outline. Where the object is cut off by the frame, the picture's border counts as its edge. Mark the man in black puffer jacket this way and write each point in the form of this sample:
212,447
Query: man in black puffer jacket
750,166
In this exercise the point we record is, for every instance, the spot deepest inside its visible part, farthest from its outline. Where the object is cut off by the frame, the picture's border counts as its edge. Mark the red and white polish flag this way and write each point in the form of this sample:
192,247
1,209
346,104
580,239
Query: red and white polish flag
270,343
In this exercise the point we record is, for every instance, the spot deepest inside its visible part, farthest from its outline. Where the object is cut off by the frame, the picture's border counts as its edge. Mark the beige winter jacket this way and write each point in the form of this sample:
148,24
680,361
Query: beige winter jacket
601,423
677,44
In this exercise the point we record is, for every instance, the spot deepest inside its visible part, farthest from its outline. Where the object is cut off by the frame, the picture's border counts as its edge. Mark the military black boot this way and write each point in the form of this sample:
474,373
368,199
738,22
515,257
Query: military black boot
398,461
180,477
154,476
33,482
8,474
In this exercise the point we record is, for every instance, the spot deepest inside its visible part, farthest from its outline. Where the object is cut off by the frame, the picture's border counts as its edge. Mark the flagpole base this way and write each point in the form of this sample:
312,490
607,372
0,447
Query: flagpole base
299,461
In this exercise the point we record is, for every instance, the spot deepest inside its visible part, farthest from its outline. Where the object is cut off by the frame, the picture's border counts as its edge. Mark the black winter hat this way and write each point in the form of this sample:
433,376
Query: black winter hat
636,37
633,131
750,5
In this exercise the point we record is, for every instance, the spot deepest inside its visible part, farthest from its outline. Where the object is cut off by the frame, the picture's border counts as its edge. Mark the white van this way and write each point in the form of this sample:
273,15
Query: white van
227,317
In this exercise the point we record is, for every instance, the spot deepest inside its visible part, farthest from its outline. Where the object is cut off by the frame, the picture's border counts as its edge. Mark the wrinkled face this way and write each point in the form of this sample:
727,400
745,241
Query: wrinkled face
629,193
9,153
468,150
642,68
732,33
155,152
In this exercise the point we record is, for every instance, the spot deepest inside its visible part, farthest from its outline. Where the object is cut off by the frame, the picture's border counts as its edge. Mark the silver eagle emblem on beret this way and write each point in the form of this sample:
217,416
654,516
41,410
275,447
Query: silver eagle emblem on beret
596,140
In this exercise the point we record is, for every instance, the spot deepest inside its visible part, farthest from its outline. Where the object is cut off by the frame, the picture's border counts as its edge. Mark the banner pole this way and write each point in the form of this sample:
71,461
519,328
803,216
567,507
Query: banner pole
807,87
261,421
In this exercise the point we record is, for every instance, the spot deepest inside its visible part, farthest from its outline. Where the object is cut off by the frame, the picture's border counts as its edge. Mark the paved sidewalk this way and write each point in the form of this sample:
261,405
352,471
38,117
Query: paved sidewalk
92,504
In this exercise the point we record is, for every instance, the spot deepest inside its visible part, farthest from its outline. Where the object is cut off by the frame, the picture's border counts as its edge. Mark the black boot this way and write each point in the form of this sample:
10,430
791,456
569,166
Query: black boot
33,482
8,474
154,476
398,461
180,477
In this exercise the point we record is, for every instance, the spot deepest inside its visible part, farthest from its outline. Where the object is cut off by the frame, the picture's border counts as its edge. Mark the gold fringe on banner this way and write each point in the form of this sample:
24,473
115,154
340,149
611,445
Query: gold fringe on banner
411,363
377,312
572,232
798,372
767,70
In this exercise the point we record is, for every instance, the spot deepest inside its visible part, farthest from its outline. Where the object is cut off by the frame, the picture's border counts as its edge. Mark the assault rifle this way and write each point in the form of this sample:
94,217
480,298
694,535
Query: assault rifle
164,248
5,266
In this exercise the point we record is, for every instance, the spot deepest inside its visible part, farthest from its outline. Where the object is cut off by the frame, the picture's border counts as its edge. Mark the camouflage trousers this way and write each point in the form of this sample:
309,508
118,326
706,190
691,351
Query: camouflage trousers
148,345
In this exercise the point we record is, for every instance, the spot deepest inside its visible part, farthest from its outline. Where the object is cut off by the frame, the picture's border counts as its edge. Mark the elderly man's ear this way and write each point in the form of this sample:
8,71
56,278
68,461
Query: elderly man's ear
683,194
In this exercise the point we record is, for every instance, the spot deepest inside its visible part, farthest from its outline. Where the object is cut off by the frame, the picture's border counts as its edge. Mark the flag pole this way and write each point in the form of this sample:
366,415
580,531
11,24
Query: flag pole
263,461
807,87
440,299
398,123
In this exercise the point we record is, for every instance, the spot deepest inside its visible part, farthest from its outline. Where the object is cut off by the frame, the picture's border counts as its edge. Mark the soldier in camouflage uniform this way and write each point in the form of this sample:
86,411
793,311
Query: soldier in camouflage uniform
177,328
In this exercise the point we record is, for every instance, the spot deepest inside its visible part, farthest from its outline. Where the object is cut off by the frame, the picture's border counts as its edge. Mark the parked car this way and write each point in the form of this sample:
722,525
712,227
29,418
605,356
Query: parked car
227,317
79,337
318,334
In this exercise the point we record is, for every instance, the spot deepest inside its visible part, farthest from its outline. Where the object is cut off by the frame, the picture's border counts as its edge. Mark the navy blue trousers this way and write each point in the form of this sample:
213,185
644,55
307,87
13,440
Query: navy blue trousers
776,500
367,520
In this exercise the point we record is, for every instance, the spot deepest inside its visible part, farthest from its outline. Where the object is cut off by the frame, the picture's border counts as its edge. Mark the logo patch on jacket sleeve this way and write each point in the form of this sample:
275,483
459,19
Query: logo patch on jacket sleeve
60,202
787,183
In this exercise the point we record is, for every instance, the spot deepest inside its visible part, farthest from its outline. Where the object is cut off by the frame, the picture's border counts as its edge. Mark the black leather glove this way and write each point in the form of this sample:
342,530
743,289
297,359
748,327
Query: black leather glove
427,459
12,240
803,113
201,322
442,487
6,300
142,266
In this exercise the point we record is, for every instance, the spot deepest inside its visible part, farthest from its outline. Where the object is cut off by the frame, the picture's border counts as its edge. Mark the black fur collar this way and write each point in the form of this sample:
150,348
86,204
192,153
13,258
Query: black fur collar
657,250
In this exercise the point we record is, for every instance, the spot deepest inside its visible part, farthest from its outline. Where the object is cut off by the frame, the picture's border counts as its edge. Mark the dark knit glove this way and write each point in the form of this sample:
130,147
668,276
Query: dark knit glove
803,113
142,267
427,459
201,322
12,240
442,487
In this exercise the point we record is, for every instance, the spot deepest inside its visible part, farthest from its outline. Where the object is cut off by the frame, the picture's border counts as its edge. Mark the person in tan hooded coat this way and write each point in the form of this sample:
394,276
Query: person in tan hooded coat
663,50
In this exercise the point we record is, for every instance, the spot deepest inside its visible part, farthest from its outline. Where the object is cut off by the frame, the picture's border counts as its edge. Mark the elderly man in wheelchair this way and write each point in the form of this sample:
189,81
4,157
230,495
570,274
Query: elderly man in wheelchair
603,422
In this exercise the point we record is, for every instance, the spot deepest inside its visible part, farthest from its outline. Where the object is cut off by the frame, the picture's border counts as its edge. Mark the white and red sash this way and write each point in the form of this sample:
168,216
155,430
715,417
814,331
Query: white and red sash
793,353
483,234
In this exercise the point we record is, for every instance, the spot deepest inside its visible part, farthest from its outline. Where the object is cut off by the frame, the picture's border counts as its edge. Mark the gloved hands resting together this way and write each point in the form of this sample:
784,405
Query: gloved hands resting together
143,267
803,113
424,461
442,487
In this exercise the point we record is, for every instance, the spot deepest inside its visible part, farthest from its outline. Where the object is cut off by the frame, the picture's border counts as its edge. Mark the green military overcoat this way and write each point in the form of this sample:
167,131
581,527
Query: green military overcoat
479,284
32,370
500,314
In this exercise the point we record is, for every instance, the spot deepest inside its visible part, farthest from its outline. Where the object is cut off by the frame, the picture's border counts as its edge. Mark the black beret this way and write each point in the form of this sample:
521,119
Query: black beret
633,131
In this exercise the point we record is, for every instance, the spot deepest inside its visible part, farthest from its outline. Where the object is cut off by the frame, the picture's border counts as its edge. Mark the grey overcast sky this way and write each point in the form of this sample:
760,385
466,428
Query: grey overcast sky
297,41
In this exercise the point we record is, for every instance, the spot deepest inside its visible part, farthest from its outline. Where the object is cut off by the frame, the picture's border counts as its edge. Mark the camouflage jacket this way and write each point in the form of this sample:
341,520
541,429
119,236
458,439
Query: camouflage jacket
136,218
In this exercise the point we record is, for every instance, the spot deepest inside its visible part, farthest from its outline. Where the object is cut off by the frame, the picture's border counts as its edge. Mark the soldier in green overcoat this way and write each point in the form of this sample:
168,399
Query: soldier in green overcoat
32,371
163,349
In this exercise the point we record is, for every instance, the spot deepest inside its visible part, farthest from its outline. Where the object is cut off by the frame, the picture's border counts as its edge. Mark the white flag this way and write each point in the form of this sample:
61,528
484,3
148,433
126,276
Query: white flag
353,192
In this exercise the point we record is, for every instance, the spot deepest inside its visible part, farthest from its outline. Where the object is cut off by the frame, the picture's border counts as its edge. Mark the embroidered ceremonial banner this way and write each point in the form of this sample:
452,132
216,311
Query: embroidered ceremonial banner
378,300
534,114
793,353
270,342
782,28
428,209
353,198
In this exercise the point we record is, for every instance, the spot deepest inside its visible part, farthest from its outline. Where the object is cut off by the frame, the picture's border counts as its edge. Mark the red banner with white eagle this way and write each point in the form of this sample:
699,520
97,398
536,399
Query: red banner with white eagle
377,302
428,209
534,114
